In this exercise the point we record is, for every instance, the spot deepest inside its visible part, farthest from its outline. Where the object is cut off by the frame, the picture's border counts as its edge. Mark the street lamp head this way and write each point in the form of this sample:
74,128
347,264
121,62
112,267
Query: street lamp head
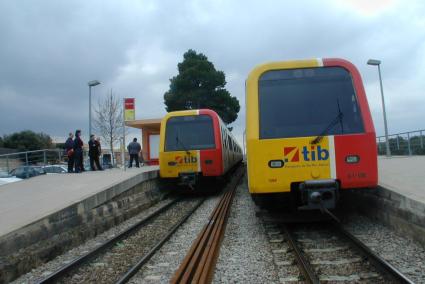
373,62
93,83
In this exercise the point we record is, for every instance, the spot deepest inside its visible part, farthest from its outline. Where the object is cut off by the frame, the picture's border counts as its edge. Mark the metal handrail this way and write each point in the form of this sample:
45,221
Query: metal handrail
33,151
404,143
39,157
400,133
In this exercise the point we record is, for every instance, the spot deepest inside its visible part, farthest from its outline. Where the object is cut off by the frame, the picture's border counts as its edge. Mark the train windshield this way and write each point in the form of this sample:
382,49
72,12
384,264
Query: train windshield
192,132
308,102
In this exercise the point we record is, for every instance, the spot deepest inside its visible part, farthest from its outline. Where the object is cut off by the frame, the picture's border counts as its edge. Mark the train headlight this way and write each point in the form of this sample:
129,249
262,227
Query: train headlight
276,163
352,159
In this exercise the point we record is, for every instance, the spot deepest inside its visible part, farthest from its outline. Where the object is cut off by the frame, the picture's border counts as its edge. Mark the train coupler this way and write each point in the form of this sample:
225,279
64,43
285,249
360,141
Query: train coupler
318,194
188,179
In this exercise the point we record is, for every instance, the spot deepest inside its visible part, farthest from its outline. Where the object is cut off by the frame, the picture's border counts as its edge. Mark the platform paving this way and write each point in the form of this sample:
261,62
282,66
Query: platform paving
27,201
404,175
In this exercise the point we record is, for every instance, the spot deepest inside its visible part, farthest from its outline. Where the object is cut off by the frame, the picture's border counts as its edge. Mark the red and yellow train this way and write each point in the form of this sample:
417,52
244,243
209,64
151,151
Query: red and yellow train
194,145
309,132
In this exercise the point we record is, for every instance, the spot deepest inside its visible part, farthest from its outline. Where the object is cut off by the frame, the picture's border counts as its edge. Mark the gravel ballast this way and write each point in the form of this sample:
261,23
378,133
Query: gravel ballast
44,270
403,253
161,267
245,254
109,267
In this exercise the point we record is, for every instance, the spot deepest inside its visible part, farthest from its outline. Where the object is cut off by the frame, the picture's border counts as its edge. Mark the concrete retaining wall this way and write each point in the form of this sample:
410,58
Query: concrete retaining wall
37,243
404,215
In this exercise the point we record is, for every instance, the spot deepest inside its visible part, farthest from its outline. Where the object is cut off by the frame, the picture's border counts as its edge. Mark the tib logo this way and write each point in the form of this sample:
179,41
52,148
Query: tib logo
186,159
292,154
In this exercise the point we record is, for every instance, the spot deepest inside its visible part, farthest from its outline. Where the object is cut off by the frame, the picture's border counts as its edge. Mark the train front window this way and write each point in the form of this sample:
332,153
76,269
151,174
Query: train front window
308,102
192,132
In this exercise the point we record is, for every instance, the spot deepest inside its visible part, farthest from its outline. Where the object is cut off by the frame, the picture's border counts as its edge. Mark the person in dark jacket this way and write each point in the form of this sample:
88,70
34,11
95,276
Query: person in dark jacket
134,149
78,152
99,153
69,148
92,152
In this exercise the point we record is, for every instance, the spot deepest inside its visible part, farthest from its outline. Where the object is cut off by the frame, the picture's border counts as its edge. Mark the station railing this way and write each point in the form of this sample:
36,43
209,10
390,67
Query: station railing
404,143
43,157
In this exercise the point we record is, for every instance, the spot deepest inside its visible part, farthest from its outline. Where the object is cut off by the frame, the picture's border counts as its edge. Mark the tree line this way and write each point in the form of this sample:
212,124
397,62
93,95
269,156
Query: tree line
26,140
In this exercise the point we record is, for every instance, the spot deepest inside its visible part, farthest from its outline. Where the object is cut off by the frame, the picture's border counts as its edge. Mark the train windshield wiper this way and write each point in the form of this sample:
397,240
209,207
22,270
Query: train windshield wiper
182,144
334,122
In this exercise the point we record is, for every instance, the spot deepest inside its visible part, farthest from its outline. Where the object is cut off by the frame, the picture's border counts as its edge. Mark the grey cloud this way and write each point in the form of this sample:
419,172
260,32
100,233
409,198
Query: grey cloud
50,50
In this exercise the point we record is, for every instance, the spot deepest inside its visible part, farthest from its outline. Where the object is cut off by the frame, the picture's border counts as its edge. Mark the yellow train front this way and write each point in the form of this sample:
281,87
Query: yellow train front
309,132
196,145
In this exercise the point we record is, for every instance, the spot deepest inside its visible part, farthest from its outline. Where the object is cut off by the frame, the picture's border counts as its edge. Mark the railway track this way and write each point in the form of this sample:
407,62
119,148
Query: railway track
199,264
119,258
327,253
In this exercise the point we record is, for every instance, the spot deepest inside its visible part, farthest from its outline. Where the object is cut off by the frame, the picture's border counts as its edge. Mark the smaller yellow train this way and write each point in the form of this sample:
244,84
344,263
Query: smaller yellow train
195,145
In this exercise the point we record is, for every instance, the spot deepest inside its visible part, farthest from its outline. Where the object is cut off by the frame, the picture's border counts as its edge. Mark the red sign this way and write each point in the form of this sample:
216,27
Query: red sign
129,103
129,109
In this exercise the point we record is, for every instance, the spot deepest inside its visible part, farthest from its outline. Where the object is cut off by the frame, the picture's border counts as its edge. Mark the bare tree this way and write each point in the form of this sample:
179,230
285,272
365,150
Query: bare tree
108,120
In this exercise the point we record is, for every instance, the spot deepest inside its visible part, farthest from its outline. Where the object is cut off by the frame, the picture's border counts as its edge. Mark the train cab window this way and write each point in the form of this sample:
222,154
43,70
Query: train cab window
193,132
308,102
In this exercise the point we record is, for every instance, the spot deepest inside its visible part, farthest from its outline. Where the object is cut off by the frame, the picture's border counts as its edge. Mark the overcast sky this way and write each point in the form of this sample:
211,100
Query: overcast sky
49,50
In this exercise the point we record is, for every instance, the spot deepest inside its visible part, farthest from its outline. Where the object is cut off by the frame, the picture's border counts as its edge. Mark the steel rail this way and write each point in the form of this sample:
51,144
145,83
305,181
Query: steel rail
133,270
306,268
193,259
199,263
378,262
386,269
63,271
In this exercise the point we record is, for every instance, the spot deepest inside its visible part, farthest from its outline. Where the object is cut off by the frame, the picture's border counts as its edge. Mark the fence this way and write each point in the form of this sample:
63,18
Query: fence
405,143
37,157
44,157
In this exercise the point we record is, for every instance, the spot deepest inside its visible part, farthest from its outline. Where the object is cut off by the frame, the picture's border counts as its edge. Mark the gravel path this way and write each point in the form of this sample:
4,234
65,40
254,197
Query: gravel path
403,253
164,263
44,270
245,255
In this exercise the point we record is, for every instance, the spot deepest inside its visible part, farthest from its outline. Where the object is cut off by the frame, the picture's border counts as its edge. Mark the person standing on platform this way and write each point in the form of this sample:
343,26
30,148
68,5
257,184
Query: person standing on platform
98,153
69,148
92,152
134,149
78,152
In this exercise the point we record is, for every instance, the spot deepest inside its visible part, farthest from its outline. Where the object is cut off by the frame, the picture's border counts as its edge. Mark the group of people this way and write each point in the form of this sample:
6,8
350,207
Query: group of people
74,151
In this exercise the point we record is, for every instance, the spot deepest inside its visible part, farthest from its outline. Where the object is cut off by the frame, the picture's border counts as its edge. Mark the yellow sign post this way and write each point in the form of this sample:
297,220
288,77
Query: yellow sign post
129,114
129,109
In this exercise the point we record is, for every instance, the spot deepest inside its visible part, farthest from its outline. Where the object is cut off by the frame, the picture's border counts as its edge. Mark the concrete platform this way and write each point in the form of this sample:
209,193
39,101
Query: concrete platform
399,200
25,202
404,175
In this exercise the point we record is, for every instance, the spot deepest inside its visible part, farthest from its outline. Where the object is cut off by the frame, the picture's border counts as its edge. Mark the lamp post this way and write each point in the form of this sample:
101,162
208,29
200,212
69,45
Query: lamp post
91,84
376,62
